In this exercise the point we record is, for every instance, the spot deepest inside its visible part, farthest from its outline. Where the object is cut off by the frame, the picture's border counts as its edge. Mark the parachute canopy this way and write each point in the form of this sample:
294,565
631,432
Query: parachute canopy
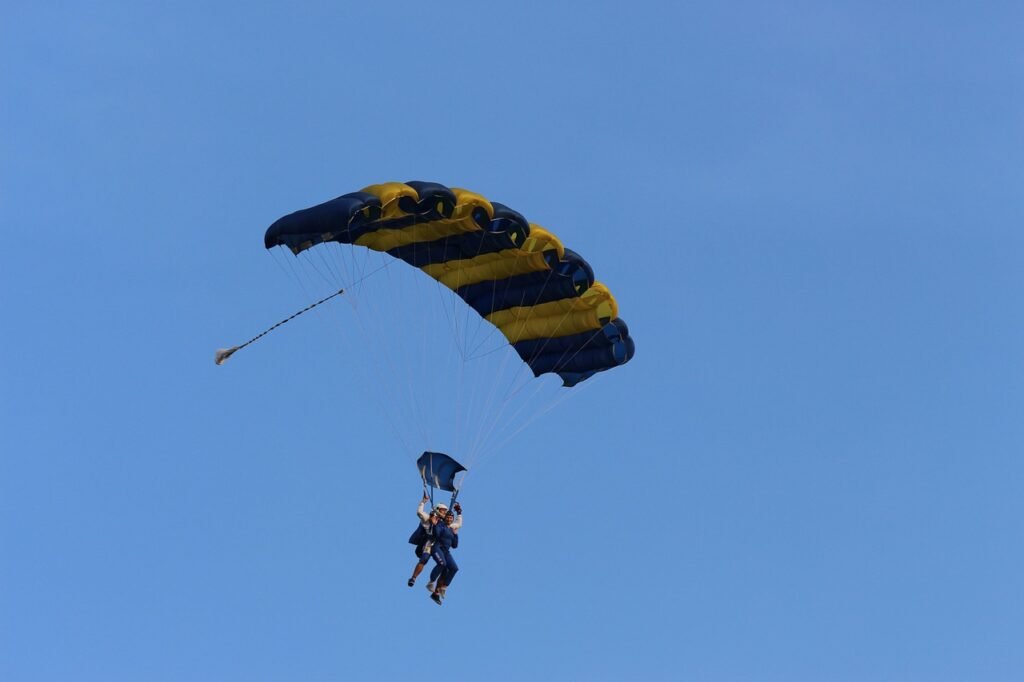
439,470
517,275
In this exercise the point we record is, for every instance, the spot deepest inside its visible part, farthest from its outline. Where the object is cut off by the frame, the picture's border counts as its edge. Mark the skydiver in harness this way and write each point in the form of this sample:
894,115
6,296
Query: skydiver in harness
445,539
423,537
455,525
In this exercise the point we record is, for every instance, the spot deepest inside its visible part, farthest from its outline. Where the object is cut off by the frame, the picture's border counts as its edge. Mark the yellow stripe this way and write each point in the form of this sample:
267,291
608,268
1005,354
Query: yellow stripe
499,265
389,193
542,240
383,240
557,318
487,266
550,327
466,201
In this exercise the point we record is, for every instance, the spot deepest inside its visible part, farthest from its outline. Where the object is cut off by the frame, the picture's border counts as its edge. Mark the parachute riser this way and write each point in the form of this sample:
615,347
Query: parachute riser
425,494
451,503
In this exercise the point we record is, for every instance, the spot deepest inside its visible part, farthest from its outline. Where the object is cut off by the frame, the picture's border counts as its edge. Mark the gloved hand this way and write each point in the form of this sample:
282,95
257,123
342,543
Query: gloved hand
457,507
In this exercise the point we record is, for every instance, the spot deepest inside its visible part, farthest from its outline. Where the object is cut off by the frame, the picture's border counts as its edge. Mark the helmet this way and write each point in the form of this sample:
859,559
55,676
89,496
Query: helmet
441,509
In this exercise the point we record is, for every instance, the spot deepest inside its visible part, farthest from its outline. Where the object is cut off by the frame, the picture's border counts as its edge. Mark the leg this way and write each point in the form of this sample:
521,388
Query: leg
448,573
423,557
451,569
440,569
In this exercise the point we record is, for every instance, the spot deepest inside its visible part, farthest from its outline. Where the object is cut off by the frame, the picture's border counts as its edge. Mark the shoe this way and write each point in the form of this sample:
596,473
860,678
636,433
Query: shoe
412,581
430,587
436,597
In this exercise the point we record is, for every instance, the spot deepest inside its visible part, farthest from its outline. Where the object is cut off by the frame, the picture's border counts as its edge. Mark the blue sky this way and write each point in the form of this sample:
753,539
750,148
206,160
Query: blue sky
811,218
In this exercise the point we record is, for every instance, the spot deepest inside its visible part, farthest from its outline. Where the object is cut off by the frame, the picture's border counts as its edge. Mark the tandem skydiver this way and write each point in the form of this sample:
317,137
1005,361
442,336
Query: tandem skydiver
445,539
423,537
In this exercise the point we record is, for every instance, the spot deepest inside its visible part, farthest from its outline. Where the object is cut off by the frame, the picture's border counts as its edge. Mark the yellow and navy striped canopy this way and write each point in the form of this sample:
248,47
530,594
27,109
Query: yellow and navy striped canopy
517,275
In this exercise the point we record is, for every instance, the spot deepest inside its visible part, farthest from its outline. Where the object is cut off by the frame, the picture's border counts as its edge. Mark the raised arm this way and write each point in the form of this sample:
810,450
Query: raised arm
424,516
457,523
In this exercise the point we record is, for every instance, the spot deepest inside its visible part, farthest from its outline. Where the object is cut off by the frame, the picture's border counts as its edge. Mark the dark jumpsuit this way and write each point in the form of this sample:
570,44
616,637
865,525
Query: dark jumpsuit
446,568
436,570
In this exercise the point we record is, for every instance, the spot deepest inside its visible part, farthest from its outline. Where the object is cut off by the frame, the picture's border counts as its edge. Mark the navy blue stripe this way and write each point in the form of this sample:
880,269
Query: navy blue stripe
569,278
611,333
579,354
521,290
338,216
507,230
573,375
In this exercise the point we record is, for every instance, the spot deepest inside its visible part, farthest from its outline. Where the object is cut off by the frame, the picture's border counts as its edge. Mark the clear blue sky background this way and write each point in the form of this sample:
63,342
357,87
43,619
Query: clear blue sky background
811,216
